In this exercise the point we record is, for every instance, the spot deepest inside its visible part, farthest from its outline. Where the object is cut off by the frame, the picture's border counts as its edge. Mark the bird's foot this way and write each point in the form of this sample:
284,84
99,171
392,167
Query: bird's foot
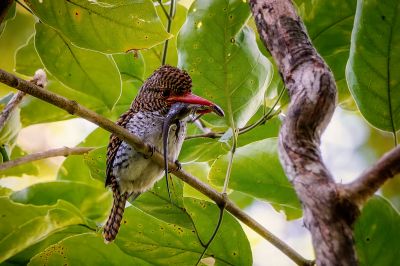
150,149
178,165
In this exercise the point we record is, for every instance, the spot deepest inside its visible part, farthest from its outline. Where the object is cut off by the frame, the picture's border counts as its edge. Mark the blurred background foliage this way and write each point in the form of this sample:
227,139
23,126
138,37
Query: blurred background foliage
53,209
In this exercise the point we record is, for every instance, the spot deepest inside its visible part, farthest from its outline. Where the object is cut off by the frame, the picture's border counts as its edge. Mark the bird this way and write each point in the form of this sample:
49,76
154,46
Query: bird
162,106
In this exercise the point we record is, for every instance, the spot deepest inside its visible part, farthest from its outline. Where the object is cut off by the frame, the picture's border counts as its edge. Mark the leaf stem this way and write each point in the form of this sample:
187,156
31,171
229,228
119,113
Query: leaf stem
267,116
207,245
230,163
169,18
164,10
24,7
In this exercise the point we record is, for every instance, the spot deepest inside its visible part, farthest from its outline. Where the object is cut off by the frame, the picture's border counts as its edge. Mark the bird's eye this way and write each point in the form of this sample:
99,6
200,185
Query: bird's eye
166,93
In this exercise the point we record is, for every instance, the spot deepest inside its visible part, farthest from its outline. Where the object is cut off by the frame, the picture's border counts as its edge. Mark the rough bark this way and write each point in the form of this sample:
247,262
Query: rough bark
327,214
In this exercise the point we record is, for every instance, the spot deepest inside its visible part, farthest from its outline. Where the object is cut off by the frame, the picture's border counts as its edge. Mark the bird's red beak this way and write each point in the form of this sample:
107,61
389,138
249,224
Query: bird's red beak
194,99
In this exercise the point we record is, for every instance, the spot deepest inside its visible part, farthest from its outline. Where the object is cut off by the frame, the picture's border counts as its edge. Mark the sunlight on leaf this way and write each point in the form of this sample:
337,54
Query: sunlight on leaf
106,27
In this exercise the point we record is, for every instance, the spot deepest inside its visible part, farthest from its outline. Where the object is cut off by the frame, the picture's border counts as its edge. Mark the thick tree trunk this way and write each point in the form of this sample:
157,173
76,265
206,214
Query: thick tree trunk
312,90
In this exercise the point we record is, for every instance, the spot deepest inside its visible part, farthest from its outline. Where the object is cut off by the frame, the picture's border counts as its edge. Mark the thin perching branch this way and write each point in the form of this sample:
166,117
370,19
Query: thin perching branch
74,108
65,151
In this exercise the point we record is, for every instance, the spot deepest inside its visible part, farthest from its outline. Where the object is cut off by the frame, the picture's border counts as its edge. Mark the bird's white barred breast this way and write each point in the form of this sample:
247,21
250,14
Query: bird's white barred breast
133,171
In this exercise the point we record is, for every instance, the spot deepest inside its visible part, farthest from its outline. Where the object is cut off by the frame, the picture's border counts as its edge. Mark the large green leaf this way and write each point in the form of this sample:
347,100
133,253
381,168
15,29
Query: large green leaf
23,257
156,202
84,249
93,202
96,162
162,243
80,69
27,60
75,169
257,171
36,111
223,59
377,234
373,69
26,225
106,26
230,236
331,34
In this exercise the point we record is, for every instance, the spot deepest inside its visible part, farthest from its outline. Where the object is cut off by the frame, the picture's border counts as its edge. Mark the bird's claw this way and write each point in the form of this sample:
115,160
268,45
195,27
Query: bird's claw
151,149
178,165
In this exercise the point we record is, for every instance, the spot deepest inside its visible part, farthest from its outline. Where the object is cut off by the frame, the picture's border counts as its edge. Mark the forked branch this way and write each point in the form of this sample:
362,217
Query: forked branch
330,209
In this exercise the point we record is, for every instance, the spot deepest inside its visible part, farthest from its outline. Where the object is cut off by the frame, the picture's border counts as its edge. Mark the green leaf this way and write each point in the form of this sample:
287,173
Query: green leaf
377,233
200,171
93,202
223,59
330,33
130,66
373,71
230,240
84,249
75,169
26,225
157,204
193,150
96,162
27,60
23,257
162,243
105,26
5,191
10,15
80,69
257,171
34,111
131,69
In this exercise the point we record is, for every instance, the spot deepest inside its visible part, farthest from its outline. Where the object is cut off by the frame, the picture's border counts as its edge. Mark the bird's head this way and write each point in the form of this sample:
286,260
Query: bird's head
169,85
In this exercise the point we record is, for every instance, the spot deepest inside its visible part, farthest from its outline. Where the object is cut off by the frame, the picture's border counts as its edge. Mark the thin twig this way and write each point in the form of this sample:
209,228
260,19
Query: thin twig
164,10
75,109
266,116
65,151
215,135
169,23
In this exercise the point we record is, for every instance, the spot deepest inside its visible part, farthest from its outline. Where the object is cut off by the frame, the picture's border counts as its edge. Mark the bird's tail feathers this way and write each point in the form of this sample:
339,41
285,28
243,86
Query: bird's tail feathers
114,220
